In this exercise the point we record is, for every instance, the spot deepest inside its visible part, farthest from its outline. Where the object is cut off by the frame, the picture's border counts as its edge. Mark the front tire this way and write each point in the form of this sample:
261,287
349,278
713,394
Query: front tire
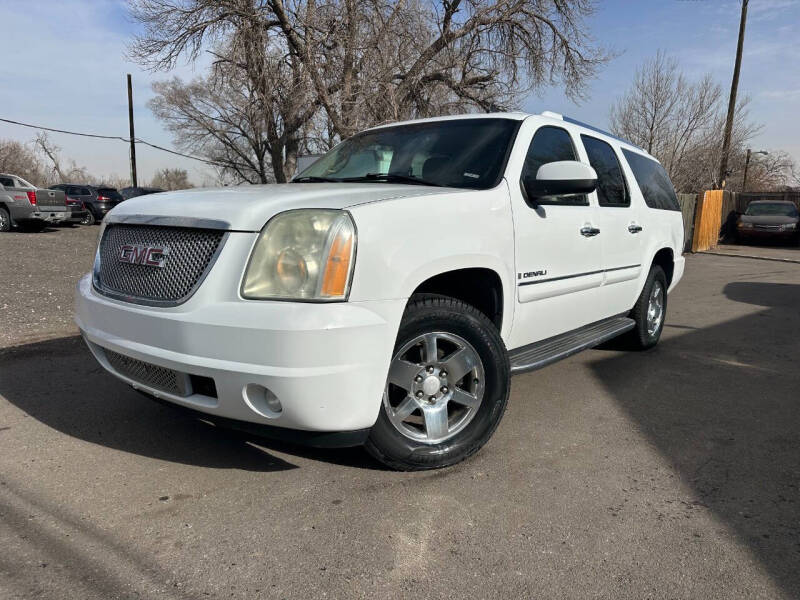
650,310
447,387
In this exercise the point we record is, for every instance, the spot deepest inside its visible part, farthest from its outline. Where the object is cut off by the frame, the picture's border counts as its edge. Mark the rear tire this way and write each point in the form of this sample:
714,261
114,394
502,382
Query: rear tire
5,220
455,354
650,311
89,219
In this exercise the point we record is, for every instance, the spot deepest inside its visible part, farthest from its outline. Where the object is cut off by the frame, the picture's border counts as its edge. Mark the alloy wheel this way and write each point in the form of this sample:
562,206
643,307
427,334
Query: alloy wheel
435,387
655,308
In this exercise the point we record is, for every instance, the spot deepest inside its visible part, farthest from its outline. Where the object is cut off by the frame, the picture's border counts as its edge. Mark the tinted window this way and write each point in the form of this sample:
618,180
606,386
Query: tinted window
551,144
464,153
611,189
653,181
6,182
72,191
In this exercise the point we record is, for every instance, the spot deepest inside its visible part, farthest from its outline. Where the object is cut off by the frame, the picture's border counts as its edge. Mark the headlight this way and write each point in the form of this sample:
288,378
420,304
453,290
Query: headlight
305,254
745,225
789,226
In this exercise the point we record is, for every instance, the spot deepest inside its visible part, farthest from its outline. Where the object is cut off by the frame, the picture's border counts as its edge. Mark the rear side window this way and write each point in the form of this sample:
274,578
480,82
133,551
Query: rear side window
7,182
611,188
551,144
653,181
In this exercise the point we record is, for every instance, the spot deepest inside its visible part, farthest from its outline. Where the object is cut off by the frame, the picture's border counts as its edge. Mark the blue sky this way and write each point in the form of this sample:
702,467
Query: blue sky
64,66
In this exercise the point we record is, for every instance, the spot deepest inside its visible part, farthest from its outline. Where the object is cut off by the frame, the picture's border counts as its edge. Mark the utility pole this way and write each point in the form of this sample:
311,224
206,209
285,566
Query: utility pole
747,164
130,121
726,141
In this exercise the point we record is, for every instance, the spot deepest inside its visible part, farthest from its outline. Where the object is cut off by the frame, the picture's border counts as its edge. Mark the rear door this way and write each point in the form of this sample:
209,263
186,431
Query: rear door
558,260
80,192
619,220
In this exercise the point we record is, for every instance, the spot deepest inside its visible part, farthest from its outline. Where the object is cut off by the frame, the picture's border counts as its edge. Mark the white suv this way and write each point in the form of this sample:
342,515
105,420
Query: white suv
386,294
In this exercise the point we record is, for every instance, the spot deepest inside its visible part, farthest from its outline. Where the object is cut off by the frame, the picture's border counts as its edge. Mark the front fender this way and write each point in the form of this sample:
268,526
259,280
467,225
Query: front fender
405,241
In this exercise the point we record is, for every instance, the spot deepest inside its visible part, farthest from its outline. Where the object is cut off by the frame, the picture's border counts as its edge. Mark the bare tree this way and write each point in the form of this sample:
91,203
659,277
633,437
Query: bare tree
19,159
59,172
678,121
772,172
317,73
171,179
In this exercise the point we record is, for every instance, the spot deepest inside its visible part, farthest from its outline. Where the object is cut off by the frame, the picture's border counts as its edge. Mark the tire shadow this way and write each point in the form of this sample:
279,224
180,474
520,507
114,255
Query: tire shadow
722,404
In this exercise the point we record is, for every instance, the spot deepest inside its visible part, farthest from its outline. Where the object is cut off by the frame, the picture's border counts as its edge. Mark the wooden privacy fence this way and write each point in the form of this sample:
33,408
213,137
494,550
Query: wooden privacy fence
708,220
688,204
712,216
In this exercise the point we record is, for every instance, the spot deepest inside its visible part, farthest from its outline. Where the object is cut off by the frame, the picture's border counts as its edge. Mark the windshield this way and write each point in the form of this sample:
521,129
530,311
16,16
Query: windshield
777,209
462,153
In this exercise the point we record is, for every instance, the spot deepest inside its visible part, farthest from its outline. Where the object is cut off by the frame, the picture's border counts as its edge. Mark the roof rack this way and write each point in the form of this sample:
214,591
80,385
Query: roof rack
555,115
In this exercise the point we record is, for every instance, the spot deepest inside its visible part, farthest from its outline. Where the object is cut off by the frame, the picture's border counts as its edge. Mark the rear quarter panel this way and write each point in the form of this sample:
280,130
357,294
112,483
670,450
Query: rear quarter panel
661,228
405,241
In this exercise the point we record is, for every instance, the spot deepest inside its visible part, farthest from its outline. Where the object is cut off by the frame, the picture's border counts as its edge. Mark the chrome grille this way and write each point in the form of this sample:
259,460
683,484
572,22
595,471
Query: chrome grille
191,254
151,375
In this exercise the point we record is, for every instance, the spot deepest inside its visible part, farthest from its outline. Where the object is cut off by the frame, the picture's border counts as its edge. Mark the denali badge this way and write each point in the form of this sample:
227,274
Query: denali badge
150,256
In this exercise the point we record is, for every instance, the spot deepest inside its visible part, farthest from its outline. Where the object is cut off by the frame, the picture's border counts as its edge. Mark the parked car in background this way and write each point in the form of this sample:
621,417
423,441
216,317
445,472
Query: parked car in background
23,204
98,200
769,220
78,211
133,192
386,294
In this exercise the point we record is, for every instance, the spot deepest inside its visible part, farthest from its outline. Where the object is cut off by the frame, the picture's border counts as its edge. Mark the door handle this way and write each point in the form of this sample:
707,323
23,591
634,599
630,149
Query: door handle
589,231
634,228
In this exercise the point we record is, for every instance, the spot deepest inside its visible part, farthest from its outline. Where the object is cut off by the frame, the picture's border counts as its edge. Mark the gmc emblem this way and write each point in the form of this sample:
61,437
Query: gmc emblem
149,256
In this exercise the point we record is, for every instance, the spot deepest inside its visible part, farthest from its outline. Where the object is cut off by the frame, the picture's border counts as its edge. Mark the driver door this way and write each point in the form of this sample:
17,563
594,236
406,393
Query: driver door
558,254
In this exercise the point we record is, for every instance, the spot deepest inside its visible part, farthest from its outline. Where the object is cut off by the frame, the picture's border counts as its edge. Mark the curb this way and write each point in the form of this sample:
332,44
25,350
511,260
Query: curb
753,256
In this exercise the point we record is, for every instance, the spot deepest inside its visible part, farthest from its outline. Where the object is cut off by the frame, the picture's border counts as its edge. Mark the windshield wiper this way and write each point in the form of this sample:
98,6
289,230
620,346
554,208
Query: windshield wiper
391,178
314,179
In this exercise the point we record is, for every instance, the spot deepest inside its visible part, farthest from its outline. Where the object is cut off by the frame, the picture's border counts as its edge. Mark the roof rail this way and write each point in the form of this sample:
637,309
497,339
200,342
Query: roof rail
598,130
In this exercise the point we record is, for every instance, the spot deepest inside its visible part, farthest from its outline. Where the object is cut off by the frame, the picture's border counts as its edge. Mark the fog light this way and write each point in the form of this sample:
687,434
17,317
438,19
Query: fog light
262,400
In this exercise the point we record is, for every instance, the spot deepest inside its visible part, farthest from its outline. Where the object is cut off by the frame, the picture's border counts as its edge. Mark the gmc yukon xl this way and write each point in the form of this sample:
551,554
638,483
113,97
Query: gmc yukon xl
385,296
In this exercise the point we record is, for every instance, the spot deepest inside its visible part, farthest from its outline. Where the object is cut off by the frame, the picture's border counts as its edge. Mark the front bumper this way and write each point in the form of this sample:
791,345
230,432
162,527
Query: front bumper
767,234
325,363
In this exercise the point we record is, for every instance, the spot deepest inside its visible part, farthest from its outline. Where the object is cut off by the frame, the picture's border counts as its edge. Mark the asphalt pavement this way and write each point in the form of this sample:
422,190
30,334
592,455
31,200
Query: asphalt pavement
673,473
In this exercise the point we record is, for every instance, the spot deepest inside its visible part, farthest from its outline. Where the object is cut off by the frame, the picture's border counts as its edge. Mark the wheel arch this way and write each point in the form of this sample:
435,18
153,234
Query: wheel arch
481,287
665,258
9,211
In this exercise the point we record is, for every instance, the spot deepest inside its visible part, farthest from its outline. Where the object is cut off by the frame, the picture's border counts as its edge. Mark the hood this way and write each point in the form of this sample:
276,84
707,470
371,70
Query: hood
768,219
249,207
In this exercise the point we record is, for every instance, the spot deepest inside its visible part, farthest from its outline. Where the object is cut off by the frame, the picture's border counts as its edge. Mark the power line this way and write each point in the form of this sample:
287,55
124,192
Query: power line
114,137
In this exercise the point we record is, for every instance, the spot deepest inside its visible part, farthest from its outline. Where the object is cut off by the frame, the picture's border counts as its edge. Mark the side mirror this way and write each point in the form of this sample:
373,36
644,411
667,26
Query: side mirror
561,178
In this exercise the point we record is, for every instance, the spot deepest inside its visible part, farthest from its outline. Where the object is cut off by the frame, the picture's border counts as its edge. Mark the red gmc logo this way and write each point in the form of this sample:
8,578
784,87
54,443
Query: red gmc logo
149,256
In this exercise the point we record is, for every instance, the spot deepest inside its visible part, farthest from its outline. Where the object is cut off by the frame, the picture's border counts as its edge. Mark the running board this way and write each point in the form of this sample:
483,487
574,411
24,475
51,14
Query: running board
540,354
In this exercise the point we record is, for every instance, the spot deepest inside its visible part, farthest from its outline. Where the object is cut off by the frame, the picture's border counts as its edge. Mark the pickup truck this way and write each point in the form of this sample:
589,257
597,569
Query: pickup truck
23,204
385,295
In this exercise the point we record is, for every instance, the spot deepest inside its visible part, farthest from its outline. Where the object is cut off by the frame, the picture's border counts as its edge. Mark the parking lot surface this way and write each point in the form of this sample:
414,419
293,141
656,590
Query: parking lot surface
672,473
775,251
